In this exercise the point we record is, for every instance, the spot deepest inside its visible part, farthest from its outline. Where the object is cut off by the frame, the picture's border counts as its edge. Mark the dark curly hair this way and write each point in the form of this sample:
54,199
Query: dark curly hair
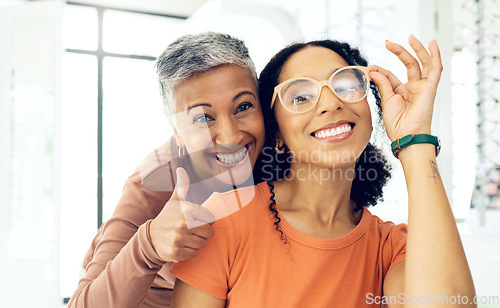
366,189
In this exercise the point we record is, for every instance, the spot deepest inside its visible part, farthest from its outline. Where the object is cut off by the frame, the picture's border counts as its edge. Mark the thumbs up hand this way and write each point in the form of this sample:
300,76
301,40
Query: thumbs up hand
182,227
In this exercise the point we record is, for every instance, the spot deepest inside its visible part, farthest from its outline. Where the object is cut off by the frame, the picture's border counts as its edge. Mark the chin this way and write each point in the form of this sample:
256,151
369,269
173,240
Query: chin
335,159
236,176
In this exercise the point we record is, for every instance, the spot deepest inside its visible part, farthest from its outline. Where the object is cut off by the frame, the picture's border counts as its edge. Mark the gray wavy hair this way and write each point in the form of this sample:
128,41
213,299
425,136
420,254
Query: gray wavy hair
191,54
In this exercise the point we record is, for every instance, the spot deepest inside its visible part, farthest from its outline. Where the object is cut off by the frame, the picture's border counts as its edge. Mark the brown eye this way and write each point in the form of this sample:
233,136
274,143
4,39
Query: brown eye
244,106
202,118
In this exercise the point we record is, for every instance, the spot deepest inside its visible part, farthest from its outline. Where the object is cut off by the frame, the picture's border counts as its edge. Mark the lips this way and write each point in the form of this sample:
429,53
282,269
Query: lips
230,159
333,129
233,158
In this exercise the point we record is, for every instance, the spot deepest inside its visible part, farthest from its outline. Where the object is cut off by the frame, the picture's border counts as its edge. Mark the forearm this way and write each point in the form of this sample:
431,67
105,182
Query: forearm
436,264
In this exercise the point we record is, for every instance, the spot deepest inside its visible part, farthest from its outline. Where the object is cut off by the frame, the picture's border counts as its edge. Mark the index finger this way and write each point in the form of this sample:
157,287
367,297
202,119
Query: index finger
422,54
412,65
393,80
204,231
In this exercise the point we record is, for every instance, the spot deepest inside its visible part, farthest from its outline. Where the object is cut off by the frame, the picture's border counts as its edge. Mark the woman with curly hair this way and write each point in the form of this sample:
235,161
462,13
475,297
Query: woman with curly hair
307,238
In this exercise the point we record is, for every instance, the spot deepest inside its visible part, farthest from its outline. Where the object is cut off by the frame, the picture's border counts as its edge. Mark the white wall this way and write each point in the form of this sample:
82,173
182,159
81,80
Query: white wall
29,207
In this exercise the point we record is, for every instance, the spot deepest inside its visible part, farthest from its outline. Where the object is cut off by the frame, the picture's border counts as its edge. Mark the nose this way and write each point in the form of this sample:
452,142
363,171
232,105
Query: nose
328,101
228,132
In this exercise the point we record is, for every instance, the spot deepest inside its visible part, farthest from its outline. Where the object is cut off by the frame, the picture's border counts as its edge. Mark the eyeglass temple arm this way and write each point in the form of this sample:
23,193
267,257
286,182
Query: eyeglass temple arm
274,98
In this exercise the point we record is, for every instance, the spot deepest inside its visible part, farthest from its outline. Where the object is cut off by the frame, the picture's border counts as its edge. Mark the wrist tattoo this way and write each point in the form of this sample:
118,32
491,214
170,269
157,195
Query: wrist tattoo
435,172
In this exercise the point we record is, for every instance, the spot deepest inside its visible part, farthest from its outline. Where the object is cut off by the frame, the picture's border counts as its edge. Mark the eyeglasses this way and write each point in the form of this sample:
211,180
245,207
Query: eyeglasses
298,95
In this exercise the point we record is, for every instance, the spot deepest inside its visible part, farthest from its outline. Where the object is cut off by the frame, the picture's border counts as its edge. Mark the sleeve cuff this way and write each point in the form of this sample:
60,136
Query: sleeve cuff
152,258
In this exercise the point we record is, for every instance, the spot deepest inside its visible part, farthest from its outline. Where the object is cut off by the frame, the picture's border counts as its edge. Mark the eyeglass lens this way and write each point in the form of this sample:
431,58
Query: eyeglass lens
350,85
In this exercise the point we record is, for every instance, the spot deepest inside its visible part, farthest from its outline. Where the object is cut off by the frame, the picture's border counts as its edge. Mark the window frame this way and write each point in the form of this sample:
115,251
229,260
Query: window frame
101,54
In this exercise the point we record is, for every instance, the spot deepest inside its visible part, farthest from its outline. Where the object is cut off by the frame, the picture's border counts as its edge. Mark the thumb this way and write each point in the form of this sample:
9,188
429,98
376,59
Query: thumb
196,215
182,185
384,86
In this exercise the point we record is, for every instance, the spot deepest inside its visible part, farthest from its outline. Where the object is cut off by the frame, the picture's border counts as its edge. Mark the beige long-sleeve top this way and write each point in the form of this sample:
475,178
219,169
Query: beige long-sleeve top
122,267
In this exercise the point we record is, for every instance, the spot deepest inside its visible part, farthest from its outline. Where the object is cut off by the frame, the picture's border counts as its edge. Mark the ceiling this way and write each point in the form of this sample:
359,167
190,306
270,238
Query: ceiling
182,8
168,7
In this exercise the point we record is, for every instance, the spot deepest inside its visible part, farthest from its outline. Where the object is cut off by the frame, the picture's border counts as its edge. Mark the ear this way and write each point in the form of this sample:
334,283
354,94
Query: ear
178,139
279,140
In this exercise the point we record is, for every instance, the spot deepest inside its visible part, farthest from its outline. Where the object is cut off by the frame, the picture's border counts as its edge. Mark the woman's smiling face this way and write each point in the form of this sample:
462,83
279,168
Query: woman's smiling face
220,123
332,133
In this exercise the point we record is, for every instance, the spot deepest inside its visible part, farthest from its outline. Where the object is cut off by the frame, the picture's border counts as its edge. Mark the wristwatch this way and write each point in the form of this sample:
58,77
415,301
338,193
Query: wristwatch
407,140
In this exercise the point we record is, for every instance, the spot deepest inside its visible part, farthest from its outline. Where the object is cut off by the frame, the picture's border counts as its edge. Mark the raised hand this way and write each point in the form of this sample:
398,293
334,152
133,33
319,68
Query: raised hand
407,107
170,231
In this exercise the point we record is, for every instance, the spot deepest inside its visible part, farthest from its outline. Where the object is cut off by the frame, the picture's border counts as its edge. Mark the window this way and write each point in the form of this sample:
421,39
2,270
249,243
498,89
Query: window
112,116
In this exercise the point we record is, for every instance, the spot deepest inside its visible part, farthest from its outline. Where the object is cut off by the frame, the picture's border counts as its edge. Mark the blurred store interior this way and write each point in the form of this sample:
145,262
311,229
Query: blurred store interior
80,108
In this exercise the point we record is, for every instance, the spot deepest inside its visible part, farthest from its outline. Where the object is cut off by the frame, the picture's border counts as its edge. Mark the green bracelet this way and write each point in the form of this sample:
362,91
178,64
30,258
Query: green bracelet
399,144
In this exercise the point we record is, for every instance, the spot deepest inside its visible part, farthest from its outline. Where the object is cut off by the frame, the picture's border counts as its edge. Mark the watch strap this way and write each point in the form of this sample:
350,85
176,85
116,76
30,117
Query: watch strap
398,144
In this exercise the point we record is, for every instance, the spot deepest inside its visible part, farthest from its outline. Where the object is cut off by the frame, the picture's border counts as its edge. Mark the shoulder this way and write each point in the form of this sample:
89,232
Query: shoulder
386,242
155,171
148,189
240,204
256,194
386,229
391,239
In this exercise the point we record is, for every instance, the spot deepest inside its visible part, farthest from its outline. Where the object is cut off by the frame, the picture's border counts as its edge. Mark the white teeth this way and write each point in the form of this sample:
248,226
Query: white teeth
232,158
333,131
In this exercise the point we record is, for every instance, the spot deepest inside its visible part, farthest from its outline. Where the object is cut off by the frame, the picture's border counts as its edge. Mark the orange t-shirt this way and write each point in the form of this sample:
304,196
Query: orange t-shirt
248,264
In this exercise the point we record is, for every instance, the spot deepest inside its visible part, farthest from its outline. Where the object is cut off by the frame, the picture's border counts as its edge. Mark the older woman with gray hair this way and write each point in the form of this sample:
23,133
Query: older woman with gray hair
209,89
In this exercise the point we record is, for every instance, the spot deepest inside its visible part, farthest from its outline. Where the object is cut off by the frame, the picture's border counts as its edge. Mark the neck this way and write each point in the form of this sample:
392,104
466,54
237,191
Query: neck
322,193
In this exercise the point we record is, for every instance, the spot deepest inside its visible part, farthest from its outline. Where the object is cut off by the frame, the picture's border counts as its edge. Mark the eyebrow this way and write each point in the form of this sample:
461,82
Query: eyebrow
209,105
337,69
243,93
308,76
198,105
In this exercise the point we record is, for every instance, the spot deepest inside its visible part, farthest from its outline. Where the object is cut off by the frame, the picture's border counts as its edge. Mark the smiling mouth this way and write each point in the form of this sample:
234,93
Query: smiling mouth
332,132
233,158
